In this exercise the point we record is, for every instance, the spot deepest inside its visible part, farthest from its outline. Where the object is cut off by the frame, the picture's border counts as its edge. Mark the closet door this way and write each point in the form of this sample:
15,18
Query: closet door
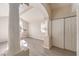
70,33
58,33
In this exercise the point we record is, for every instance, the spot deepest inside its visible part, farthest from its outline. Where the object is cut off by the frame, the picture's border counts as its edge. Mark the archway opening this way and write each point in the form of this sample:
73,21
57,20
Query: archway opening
34,26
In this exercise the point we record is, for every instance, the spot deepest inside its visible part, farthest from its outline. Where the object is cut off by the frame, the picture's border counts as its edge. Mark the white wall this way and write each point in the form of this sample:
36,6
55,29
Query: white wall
70,33
77,29
24,25
4,9
3,29
58,33
35,30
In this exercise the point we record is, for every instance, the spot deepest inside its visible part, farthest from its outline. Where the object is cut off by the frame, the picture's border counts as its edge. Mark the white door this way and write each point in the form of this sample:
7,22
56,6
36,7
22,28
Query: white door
58,33
70,33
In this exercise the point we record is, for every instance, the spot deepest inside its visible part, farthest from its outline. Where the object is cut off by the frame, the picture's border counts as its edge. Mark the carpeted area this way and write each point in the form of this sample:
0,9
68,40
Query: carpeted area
36,49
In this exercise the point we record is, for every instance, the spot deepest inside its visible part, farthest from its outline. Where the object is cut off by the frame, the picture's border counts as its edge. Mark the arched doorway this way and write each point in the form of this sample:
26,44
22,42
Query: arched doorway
38,18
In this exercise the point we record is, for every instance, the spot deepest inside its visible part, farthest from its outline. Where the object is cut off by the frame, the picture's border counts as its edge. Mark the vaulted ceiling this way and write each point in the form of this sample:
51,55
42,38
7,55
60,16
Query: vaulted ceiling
35,12
32,13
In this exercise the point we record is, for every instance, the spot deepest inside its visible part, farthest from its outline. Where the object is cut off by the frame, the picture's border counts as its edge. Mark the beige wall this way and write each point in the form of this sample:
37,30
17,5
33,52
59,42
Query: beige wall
64,11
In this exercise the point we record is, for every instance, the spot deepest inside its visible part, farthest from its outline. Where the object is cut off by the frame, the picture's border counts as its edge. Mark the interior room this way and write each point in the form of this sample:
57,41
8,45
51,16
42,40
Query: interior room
38,29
